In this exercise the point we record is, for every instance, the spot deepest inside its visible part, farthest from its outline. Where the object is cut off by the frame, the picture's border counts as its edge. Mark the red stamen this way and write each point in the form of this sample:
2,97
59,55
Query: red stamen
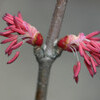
9,40
10,52
96,58
78,67
8,20
17,30
9,47
96,54
16,23
92,34
95,38
17,45
8,27
87,58
89,68
19,15
8,17
94,44
14,58
93,48
74,70
81,50
93,64
84,47
7,14
8,32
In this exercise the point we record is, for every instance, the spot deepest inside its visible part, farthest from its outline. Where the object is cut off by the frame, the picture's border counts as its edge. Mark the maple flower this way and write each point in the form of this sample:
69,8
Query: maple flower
25,33
88,47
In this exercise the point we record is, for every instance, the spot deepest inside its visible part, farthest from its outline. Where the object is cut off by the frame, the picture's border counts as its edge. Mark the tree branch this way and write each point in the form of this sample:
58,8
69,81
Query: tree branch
43,78
46,57
55,24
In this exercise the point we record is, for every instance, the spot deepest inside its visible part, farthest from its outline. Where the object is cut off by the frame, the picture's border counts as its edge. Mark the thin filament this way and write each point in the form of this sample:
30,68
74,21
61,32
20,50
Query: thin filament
72,50
75,53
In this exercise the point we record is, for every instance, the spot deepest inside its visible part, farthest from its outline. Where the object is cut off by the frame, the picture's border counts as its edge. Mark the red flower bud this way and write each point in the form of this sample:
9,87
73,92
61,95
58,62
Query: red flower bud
62,43
38,40
26,33
88,47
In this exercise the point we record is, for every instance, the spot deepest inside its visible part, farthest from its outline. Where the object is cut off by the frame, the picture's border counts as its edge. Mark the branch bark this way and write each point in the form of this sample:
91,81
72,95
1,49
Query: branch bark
56,23
46,57
43,78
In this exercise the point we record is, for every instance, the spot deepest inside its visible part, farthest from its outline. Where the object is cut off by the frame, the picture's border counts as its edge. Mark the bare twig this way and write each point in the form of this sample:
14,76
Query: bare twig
46,57
43,78
45,64
56,22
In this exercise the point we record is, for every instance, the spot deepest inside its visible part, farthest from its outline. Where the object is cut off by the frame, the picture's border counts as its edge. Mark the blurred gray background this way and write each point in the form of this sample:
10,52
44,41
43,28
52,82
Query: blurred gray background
18,80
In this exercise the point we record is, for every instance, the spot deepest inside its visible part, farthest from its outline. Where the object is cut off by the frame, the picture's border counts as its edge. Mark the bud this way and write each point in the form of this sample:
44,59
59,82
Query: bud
25,34
88,47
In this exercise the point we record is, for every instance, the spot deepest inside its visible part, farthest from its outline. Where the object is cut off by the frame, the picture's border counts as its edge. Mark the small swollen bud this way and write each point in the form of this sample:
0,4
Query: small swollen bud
62,43
38,40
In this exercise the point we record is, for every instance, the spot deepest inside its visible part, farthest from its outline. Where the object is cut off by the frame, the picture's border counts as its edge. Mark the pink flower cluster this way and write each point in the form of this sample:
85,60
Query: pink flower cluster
88,47
18,32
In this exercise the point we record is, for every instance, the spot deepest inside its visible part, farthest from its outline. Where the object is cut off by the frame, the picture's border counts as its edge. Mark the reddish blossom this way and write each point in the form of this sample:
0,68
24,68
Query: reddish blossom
25,33
88,47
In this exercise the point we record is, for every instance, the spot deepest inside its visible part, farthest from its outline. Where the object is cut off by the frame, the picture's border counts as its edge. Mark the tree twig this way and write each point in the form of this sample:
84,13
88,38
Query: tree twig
46,57
56,22
43,78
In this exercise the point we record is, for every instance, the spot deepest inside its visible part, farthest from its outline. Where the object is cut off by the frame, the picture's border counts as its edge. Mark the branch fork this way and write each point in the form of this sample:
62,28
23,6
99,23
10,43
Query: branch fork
46,56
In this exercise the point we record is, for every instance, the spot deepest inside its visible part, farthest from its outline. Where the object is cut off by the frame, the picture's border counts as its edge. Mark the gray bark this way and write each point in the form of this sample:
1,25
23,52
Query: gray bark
46,57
